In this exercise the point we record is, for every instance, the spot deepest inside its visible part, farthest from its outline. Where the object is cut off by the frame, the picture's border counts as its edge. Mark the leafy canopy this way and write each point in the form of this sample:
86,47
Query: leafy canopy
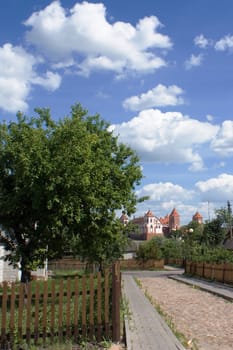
61,183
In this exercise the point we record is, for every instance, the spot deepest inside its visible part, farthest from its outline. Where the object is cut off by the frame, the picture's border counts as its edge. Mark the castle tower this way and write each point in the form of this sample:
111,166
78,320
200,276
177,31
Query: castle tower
124,219
174,220
197,217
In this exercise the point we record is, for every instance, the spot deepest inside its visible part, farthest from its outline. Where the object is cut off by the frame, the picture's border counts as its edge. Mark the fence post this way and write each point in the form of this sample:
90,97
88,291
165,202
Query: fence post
116,296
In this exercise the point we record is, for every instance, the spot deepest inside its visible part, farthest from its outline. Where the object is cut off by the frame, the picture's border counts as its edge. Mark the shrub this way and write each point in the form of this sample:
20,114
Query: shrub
149,250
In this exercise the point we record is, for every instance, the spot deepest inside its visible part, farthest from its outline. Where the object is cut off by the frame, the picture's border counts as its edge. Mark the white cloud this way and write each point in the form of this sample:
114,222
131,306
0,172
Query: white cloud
216,189
84,31
166,137
223,141
50,81
165,191
159,96
17,75
194,61
164,196
224,43
209,117
201,41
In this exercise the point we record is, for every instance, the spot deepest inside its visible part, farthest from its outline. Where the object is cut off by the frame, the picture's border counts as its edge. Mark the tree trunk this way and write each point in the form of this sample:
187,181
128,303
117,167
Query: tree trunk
25,274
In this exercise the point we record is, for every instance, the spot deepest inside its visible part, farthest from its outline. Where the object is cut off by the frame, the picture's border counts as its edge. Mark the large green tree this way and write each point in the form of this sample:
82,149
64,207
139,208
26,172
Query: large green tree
61,184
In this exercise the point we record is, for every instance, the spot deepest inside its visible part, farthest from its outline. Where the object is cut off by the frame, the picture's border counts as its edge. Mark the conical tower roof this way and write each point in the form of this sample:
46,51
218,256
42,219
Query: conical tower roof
174,212
149,214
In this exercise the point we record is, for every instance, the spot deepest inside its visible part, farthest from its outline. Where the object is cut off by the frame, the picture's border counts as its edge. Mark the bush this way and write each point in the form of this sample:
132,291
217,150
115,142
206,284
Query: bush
149,250
202,253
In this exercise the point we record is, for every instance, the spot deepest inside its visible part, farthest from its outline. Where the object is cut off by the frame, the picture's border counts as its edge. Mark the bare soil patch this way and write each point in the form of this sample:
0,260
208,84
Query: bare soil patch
204,319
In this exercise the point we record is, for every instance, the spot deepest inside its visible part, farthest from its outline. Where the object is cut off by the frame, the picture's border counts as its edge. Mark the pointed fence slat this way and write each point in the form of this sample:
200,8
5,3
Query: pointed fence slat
91,311
4,312
36,315
99,307
52,310
68,288
76,309
106,302
84,308
116,294
12,313
28,314
44,317
60,312
20,310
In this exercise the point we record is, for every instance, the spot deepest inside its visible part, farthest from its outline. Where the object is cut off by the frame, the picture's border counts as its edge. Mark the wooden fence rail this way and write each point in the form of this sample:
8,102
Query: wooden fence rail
78,308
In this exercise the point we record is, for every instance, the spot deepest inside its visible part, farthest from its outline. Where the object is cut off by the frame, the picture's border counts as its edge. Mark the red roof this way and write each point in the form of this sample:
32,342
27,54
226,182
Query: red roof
165,220
138,221
174,212
149,214
124,217
197,216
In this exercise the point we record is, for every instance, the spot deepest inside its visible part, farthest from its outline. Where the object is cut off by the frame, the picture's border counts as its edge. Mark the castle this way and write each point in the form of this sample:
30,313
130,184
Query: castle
149,225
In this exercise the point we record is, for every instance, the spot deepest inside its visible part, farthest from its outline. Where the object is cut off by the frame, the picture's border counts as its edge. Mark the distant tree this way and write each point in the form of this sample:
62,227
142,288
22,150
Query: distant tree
62,182
193,232
224,215
172,248
213,233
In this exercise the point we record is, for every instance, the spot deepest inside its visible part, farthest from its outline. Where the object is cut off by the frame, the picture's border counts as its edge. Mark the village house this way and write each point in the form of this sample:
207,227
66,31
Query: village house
9,273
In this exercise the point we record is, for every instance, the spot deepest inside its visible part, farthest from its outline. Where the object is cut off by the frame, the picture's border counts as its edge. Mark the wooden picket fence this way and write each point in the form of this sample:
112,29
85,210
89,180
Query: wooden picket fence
86,307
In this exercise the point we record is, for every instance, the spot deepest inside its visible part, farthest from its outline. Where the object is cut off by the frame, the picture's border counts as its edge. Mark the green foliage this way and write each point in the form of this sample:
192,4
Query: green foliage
61,184
213,233
149,250
224,215
202,253
193,232
172,248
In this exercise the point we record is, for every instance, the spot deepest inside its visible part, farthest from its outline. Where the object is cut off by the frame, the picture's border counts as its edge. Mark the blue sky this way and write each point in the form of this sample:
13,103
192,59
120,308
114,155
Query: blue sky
160,72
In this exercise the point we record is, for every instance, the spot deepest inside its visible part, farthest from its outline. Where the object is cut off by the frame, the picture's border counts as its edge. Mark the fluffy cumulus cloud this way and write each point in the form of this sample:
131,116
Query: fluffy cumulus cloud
165,191
216,189
164,196
85,36
223,141
167,137
201,41
17,75
225,43
194,61
159,96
